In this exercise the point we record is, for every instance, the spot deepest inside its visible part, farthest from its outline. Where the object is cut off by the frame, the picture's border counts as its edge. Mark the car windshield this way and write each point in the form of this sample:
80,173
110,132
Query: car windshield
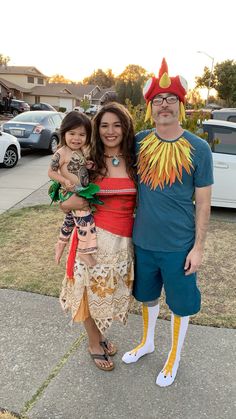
29,117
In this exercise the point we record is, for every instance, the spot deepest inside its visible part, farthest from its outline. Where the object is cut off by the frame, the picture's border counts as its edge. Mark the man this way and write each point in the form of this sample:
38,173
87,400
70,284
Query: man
174,169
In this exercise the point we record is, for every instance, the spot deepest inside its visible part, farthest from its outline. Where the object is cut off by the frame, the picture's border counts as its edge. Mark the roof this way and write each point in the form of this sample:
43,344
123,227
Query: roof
55,90
8,84
224,110
78,90
219,123
27,70
102,92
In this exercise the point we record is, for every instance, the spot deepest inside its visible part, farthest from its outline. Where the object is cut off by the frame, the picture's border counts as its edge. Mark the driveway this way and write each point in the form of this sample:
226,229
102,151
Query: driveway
20,182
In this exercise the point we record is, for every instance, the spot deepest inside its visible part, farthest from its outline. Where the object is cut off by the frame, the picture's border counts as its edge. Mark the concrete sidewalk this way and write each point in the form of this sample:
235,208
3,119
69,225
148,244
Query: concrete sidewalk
47,373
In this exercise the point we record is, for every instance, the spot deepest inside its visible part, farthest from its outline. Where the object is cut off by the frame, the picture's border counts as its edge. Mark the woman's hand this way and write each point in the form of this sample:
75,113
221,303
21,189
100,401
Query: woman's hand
68,185
90,165
59,249
74,203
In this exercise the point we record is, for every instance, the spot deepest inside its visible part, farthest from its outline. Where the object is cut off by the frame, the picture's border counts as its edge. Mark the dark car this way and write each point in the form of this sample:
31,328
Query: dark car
36,129
42,107
16,107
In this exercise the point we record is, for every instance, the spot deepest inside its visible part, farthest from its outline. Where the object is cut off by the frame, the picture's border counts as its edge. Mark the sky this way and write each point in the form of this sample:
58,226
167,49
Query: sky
76,37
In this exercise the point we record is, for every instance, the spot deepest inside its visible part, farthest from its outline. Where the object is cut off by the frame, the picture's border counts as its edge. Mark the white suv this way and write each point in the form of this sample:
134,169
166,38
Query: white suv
92,109
221,135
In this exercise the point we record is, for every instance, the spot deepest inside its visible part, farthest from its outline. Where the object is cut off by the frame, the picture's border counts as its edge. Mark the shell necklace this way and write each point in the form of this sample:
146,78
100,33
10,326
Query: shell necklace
115,158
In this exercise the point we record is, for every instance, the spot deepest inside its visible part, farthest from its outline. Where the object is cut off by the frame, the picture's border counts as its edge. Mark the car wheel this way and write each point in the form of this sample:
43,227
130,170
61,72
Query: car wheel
53,145
15,112
10,158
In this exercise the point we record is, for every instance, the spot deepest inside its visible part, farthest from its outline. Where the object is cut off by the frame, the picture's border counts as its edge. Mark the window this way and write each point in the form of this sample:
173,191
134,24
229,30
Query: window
224,140
56,120
40,80
30,79
232,118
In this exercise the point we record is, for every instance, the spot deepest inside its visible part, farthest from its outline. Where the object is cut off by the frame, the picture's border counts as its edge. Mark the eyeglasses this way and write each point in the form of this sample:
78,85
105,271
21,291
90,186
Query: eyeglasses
169,99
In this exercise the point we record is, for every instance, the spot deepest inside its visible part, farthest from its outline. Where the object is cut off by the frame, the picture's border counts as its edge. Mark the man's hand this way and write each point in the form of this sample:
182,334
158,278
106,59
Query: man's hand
59,249
193,261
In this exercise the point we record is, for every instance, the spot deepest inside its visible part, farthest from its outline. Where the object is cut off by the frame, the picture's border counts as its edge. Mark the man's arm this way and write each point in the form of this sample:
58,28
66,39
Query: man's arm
203,210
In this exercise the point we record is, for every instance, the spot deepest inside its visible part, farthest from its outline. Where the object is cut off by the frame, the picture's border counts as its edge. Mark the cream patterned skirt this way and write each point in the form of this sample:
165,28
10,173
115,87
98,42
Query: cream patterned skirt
104,290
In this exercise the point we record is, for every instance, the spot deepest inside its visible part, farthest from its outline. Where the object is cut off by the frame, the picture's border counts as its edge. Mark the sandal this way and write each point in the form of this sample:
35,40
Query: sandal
103,357
104,344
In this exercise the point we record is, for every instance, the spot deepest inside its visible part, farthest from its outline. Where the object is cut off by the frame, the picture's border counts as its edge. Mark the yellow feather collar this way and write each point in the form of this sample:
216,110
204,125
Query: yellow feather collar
161,162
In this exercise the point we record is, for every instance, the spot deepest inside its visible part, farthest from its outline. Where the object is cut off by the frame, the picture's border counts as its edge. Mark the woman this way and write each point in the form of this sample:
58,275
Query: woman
99,294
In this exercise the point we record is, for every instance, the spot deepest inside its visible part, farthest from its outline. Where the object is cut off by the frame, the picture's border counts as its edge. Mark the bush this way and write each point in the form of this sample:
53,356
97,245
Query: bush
61,109
192,122
138,114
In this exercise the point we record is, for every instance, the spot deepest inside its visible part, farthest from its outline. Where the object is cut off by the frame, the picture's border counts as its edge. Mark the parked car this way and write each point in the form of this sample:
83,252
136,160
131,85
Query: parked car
16,107
36,129
221,135
226,114
78,109
92,110
9,150
42,107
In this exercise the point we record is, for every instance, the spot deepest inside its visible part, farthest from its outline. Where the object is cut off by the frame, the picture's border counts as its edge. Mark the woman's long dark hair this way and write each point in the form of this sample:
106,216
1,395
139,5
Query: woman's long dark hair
127,145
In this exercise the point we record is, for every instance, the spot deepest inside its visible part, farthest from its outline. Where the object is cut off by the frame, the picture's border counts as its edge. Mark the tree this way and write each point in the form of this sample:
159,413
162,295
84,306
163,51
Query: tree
121,91
138,114
194,99
84,103
4,60
58,78
223,81
133,73
203,81
130,83
226,81
101,78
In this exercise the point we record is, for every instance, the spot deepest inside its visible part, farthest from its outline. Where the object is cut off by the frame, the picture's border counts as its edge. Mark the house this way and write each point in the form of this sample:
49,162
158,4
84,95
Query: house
78,91
30,85
102,94
7,86
25,77
57,96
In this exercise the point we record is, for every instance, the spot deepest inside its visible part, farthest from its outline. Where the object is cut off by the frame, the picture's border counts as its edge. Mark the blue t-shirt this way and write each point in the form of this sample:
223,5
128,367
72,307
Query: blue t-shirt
165,218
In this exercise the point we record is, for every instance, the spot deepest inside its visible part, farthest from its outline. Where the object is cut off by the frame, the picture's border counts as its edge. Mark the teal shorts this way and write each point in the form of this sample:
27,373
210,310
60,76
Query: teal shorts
153,270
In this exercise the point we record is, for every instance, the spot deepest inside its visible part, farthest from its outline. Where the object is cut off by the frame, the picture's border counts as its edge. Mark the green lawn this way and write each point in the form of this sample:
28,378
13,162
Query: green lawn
28,236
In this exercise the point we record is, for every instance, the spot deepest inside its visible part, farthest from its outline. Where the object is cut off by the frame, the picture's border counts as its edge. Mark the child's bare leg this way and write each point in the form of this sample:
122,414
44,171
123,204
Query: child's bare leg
88,258
74,203
87,237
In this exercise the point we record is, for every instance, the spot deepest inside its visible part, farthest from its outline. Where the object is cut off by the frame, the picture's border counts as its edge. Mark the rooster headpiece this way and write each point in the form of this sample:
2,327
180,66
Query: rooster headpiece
165,84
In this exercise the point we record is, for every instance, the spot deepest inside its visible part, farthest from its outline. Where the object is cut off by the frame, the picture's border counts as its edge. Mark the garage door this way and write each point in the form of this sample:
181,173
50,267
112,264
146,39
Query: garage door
66,103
